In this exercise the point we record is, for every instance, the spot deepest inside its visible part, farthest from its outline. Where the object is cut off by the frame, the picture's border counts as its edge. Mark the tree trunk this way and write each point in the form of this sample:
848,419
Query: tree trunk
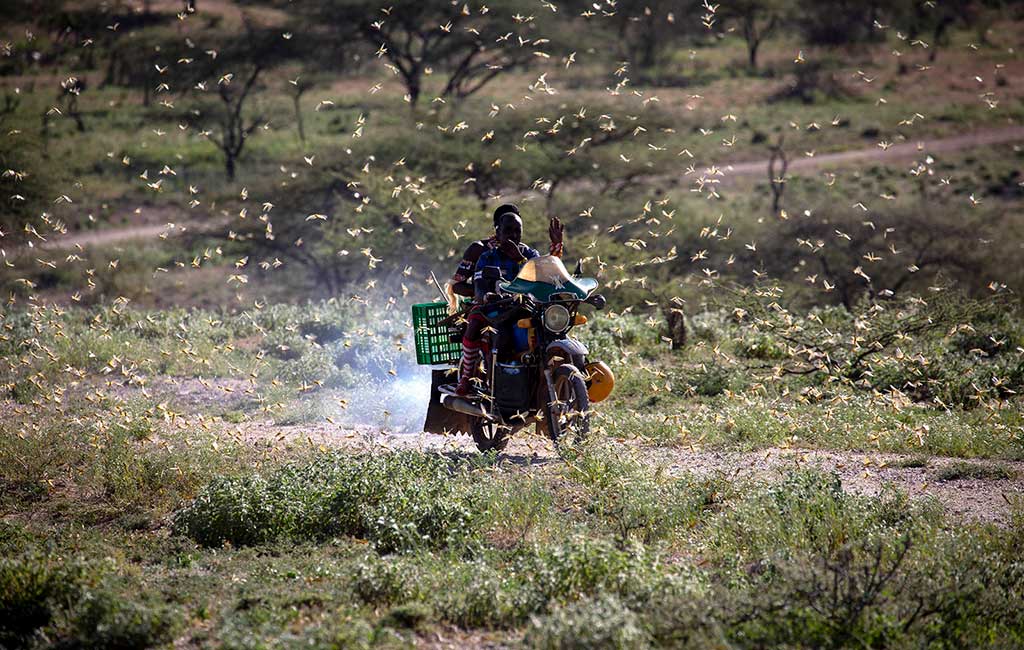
298,119
647,53
413,86
75,115
44,131
229,165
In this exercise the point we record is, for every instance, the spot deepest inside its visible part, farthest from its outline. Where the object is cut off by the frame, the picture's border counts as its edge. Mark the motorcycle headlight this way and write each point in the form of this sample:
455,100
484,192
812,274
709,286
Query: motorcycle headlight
556,318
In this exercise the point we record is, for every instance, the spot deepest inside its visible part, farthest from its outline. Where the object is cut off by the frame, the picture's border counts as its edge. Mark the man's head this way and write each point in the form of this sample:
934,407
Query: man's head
509,228
502,209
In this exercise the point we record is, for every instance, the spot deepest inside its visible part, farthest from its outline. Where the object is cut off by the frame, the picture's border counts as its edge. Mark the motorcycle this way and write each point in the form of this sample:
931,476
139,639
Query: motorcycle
535,371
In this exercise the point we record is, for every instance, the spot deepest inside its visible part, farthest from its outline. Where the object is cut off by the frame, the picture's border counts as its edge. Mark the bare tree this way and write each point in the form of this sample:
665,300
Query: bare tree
235,128
70,89
778,163
299,87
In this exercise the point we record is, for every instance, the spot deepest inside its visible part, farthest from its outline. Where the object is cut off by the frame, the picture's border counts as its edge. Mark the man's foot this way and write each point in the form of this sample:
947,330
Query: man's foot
464,387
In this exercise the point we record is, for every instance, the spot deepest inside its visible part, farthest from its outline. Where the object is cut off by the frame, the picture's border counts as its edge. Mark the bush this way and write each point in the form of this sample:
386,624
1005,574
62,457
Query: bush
398,501
32,590
634,500
107,621
805,509
710,380
992,332
910,590
385,581
599,622
761,346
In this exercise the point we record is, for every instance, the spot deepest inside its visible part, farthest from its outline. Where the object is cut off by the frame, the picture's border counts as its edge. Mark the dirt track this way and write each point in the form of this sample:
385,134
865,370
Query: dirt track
861,473
902,151
734,171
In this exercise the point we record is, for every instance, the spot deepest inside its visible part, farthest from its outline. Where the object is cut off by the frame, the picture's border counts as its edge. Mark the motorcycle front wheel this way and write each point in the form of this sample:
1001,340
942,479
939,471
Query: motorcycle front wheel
569,418
488,436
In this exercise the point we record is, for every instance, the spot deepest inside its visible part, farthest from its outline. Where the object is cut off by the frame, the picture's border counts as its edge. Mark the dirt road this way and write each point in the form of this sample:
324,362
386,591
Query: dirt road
734,171
876,154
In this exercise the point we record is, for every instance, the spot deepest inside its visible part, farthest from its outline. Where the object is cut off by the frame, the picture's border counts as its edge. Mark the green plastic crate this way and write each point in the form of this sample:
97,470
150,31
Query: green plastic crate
434,343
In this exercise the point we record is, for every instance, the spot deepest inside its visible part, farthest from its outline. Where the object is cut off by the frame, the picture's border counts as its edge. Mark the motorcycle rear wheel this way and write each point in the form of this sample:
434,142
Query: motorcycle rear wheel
569,421
488,436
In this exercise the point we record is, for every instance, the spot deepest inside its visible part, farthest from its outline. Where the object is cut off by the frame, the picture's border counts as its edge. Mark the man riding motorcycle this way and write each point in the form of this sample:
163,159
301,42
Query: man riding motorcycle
508,255
462,280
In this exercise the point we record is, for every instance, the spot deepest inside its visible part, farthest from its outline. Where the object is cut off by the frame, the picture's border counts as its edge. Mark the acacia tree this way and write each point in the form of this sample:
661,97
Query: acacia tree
468,48
757,20
646,29
233,76
920,20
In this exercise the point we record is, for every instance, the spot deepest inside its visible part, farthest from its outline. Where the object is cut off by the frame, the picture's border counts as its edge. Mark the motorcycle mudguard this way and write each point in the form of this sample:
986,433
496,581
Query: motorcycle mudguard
569,349
572,346
439,419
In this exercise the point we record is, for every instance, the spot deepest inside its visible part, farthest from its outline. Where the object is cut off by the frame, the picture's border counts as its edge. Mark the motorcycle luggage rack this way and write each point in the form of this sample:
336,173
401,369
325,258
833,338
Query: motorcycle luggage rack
433,335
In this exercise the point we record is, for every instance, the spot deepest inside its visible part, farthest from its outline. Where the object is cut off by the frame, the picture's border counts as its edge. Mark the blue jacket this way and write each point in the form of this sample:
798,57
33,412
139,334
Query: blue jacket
509,267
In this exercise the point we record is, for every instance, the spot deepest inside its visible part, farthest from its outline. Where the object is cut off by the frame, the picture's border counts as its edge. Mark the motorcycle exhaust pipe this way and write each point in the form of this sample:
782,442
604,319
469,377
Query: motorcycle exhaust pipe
461,405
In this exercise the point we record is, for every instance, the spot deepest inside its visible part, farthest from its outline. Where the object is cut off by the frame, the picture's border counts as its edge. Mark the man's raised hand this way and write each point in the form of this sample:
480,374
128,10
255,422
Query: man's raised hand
555,230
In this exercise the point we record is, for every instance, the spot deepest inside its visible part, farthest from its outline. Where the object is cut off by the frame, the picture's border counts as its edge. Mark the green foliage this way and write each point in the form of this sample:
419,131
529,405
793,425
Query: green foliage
761,346
106,620
33,589
710,380
636,502
26,174
808,510
600,622
399,502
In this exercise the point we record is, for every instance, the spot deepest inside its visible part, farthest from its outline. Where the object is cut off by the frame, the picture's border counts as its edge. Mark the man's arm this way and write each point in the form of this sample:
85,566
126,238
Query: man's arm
462,281
487,258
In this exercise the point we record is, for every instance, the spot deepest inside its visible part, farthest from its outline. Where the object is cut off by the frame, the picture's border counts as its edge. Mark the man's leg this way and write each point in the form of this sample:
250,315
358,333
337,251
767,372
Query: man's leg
473,348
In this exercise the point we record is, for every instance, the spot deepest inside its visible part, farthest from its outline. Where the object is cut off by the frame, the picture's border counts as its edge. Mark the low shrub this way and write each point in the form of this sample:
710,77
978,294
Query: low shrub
637,502
380,580
32,590
104,620
761,346
599,622
397,501
710,380
967,470
804,509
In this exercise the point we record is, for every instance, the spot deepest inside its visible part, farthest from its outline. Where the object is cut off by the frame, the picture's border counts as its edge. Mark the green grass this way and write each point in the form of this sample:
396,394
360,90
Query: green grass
136,514
716,573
